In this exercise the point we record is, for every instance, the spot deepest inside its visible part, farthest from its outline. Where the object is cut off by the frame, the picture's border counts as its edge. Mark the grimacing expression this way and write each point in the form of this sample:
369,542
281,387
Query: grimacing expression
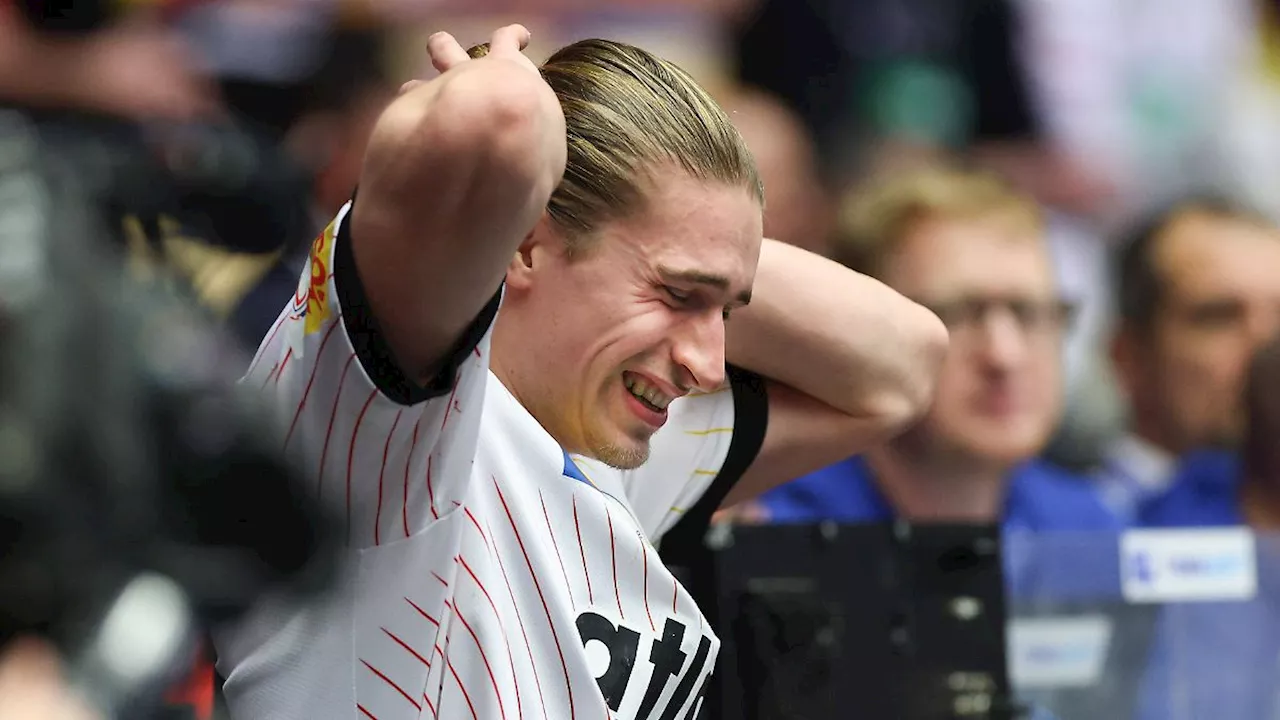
989,279
1220,301
610,337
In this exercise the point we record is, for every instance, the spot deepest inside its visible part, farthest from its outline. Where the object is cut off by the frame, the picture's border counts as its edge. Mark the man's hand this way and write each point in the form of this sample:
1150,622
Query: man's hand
507,43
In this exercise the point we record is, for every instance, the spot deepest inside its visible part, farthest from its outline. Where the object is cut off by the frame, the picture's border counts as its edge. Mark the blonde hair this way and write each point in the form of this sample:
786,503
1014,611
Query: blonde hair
876,218
627,113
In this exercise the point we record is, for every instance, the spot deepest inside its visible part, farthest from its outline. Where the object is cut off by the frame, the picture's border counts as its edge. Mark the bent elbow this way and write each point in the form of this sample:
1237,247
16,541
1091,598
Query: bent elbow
932,342
923,350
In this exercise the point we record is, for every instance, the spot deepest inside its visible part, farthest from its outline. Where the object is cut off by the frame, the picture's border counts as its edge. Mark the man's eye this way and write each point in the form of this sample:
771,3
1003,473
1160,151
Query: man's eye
1216,314
677,295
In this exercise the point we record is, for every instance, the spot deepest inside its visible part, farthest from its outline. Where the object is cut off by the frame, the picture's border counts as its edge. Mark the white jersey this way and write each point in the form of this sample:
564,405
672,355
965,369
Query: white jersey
492,576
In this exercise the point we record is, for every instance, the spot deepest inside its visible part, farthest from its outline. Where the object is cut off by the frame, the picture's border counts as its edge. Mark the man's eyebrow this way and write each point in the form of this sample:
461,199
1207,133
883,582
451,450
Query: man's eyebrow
698,277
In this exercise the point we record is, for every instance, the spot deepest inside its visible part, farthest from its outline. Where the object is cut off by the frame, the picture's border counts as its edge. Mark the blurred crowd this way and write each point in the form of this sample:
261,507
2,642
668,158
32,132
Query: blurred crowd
1086,192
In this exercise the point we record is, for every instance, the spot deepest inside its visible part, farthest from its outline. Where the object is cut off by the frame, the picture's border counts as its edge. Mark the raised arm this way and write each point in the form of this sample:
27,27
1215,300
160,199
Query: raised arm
457,172
849,362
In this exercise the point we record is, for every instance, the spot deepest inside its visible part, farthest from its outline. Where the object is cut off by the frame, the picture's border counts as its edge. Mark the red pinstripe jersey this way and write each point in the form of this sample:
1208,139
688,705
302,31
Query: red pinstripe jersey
490,576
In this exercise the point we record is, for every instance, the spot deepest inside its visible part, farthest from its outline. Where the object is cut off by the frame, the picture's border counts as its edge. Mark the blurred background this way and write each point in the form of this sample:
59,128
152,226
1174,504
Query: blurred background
1086,191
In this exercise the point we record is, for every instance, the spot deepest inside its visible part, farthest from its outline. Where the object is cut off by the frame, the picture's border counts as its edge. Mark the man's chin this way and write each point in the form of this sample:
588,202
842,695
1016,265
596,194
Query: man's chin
1007,446
627,455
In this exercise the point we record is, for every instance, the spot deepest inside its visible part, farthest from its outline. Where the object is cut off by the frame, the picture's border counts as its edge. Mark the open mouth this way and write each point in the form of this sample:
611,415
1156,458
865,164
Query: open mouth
648,395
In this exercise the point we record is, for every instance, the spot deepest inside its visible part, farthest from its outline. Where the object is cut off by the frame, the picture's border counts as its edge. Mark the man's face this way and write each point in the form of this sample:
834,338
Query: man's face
607,339
1220,282
989,279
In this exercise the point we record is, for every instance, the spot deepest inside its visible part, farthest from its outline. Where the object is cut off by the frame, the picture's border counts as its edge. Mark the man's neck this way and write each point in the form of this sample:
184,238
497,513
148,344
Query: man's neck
502,345
1148,430
935,489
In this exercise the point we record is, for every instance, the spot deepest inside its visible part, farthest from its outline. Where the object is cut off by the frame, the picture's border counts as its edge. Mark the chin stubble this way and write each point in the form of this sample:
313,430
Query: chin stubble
620,457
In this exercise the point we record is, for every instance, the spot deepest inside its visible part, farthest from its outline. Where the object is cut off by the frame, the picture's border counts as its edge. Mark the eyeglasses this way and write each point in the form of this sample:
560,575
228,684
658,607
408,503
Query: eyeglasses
1034,318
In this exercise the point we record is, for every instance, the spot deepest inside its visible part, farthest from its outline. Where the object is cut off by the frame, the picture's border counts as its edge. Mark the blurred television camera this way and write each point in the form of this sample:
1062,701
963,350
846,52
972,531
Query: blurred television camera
143,498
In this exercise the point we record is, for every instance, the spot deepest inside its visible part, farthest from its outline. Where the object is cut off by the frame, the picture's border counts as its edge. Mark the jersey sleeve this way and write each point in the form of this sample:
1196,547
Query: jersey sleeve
389,455
708,442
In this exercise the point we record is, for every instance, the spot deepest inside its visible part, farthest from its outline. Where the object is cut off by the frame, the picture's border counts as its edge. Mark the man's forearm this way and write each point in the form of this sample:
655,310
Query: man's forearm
838,336
457,172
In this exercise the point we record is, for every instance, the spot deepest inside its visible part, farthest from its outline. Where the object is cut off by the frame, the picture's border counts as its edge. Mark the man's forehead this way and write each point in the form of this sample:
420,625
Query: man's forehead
1006,264
1222,256
718,258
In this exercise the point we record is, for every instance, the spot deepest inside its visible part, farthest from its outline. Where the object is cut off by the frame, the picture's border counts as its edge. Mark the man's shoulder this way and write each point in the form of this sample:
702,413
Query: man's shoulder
1209,468
1204,491
843,475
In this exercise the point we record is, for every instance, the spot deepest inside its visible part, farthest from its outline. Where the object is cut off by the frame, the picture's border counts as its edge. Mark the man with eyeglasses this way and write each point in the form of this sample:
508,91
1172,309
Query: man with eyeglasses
972,250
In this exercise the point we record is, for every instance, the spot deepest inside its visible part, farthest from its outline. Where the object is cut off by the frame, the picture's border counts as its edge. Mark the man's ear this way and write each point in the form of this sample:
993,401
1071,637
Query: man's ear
532,255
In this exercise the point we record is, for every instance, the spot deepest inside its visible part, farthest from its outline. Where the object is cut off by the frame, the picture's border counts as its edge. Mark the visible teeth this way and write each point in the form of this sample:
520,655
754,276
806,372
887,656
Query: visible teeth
647,392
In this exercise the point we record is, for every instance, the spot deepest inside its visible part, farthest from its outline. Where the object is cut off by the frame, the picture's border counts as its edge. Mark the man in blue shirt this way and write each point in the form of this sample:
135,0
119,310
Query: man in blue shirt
1215,488
972,250
1196,296
1222,659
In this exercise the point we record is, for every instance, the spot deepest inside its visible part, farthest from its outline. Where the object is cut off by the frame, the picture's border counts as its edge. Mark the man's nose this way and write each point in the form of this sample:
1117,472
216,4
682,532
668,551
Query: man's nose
1002,342
698,349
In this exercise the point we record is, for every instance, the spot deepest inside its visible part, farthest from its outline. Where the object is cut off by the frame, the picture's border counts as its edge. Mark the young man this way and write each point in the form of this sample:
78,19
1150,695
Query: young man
505,473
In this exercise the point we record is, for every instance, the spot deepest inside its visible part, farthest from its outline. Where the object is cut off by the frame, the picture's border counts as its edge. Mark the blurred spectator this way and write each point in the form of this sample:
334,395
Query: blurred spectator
139,70
1222,488
345,96
122,100
1198,294
798,209
326,139
290,138
887,84
1217,659
971,249
201,200
1262,441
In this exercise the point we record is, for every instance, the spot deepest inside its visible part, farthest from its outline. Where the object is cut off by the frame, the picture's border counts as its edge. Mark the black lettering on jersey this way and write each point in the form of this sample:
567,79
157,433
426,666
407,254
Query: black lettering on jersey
699,698
690,677
667,659
622,643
